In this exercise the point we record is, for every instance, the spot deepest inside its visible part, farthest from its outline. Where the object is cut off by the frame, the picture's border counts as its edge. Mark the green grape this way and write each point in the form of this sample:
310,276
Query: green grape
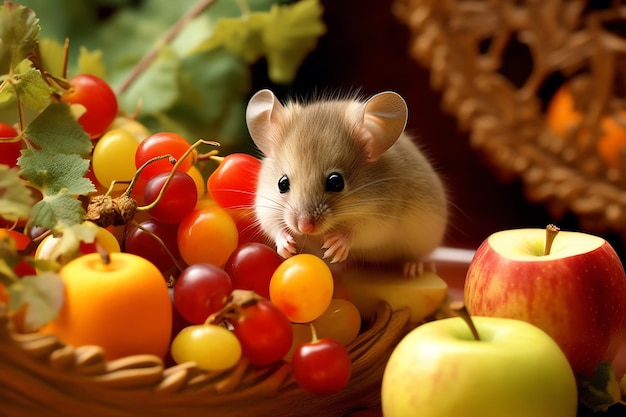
211,347
341,321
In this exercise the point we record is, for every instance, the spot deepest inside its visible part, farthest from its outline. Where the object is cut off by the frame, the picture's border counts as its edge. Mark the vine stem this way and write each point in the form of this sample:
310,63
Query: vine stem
169,36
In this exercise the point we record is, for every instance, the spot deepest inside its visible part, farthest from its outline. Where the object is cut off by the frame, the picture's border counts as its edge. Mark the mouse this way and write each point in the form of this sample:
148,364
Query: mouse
340,176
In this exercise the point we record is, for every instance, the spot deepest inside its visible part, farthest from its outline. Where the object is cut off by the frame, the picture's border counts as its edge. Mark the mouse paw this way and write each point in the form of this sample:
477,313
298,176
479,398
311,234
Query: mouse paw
337,246
285,245
416,268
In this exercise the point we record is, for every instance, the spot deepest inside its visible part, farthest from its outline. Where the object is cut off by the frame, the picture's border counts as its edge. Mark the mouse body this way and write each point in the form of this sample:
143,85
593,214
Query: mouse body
341,175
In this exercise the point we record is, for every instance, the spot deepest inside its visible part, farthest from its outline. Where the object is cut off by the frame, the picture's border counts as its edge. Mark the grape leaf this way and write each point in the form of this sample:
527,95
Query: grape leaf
42,295
240,35
53,210
91,63
602,390
55,172
70,238
32,90
56,130
8,259
291,33
15,198
51,53
19,30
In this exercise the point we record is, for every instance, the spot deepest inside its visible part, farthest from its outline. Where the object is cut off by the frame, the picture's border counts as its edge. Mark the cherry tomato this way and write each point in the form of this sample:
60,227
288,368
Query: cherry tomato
158,144
233,183
247,225
322,366
9,151
263,331
98,99
251,267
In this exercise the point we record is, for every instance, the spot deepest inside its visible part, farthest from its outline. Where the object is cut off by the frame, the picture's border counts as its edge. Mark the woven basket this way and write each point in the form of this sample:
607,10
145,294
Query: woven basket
41,376
498,63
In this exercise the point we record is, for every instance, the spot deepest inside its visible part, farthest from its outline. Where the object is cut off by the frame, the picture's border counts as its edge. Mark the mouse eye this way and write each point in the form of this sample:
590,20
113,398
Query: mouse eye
283,184
334,182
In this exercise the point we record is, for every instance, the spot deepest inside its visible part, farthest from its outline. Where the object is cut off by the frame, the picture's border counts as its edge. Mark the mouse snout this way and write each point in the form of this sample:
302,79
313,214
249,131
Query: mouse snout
306,224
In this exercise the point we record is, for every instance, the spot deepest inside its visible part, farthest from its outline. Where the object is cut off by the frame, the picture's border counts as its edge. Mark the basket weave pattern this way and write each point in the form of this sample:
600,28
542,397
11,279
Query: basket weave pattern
41,376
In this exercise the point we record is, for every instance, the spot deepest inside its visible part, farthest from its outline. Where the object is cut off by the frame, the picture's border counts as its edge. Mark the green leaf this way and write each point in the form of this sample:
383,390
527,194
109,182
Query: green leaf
291,34
8,259
91,63
16,199
157,87
68,243
56,130
56,172
19,30
240,35
55,210
51,53
42,294
32,90
601,391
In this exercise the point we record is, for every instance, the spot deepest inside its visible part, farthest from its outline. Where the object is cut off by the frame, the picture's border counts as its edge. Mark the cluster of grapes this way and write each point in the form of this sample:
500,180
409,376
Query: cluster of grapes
233,296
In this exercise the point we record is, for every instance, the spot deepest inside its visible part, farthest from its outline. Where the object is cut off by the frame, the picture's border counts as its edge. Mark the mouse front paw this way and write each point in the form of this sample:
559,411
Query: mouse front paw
285,245
337,246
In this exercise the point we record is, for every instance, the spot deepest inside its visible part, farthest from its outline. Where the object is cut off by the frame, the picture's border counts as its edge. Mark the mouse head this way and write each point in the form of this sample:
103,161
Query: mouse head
319,155
378,122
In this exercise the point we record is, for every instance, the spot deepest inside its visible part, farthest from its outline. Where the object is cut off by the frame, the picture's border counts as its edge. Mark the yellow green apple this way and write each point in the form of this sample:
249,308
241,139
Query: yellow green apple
575,291
515,370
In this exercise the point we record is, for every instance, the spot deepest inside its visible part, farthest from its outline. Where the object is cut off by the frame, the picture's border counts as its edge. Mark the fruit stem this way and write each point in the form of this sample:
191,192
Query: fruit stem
105,256
169,36
129,189
551,232
173,171
314,338
461,310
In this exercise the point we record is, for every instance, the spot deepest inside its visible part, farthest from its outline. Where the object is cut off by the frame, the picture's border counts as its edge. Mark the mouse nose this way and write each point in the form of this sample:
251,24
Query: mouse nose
306,224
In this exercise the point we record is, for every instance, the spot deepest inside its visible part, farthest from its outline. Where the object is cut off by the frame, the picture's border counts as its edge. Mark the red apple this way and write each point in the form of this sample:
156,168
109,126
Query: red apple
576,292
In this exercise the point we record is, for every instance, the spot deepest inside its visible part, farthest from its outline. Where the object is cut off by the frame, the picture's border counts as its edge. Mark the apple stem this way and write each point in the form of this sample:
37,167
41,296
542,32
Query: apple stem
551,232
461,310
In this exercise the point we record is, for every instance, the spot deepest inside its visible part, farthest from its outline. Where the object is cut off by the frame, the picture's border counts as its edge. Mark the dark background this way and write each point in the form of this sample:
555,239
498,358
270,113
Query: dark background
366,48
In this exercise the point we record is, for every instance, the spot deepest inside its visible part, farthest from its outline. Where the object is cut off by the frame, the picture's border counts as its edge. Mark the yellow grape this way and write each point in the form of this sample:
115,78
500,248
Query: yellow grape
341,321
211,347
114,157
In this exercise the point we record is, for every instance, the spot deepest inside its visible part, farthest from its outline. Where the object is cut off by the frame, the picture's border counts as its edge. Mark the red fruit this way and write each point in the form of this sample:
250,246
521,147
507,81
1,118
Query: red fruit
98,99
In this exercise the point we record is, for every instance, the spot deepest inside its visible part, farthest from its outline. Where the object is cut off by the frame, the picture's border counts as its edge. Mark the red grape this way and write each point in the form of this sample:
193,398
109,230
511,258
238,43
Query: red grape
140,242
233,183
178,200
251,266
9,151
321,366
158,144
264,332
201,290
98,99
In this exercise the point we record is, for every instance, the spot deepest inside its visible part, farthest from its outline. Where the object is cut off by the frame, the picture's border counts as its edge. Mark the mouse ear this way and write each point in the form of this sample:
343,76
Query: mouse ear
262,115
384,119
